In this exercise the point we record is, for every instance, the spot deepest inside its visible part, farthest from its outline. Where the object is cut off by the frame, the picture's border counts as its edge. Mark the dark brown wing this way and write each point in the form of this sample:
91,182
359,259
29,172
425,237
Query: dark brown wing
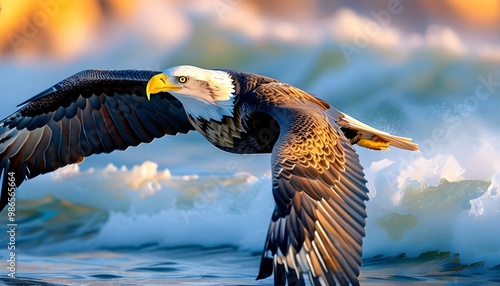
89,113
319,187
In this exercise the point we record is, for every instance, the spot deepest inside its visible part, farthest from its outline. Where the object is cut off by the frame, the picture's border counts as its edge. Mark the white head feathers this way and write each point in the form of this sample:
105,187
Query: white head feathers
206,94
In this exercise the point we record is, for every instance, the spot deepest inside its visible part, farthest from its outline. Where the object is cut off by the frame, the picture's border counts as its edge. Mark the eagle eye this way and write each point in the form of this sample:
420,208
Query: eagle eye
182,79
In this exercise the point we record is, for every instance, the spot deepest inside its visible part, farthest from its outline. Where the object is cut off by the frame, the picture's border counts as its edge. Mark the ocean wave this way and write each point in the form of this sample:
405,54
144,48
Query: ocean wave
143,206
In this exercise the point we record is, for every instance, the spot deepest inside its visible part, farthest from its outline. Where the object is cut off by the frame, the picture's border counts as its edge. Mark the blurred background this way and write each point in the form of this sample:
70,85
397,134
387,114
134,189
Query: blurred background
71,29
423,69
375,60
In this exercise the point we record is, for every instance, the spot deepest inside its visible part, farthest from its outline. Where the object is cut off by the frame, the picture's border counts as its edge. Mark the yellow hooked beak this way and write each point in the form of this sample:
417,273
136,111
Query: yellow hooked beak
159,83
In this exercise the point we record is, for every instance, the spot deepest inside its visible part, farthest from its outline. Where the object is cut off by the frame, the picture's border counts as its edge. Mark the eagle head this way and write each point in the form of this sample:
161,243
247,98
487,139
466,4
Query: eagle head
207,94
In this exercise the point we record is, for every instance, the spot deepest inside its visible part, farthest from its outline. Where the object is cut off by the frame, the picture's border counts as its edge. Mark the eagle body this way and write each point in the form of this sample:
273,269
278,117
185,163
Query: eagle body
253,126
317,226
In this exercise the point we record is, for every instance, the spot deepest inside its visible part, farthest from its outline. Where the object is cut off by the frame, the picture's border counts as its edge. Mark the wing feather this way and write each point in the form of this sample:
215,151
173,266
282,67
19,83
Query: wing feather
40,162
58,115
319,188
95,101
102,132
122,124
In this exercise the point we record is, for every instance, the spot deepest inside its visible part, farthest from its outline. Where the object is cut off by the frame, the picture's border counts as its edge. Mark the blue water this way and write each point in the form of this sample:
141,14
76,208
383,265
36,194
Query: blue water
179,211
227,266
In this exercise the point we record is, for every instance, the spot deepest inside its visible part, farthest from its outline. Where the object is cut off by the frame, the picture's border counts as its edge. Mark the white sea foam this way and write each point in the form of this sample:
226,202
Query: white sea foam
435,203
150,206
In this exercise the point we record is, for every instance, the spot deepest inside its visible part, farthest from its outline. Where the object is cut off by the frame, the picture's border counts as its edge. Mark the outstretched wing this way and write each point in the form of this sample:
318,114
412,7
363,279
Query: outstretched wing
88,113
318,224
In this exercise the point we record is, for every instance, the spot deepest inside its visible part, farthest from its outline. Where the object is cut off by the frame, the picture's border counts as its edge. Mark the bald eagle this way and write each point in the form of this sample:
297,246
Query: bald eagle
318,184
